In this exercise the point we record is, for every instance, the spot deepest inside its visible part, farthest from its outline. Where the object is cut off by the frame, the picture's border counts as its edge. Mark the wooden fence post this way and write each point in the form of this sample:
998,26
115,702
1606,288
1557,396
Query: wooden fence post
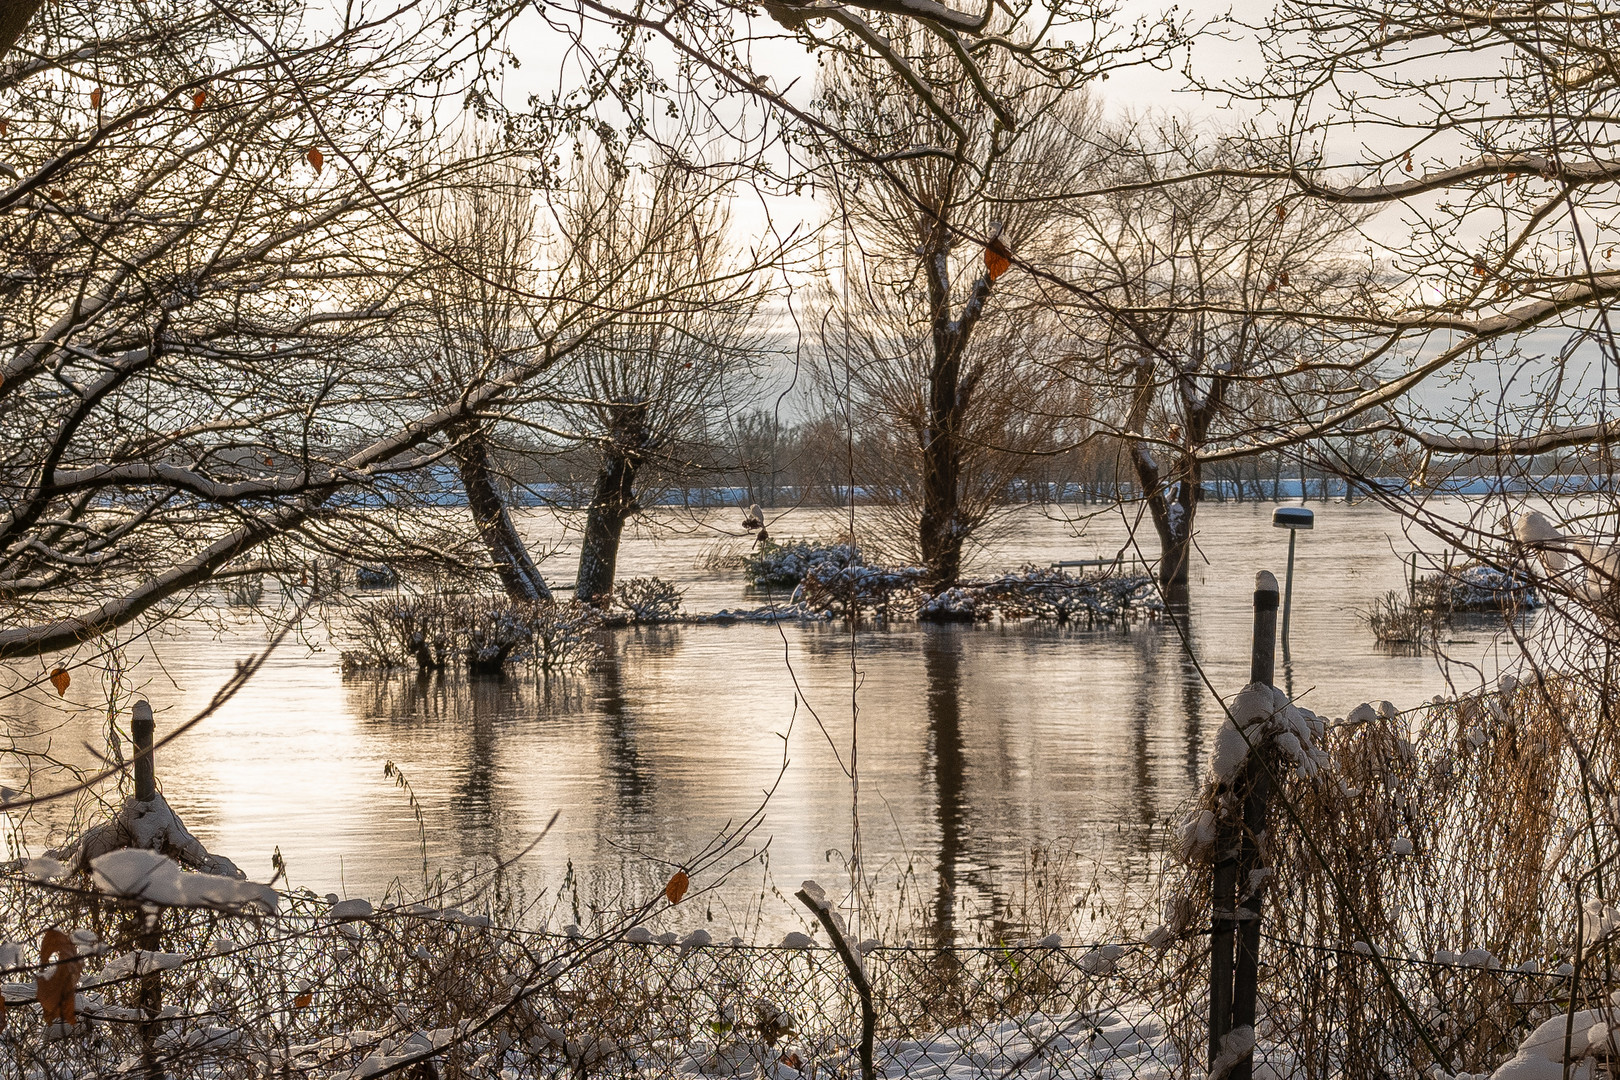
856,971
149,933
1256,786
141,728
1235,923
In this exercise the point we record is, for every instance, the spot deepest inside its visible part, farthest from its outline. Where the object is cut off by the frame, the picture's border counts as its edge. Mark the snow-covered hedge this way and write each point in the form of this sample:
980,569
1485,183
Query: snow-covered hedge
1475,588
786,564
439,631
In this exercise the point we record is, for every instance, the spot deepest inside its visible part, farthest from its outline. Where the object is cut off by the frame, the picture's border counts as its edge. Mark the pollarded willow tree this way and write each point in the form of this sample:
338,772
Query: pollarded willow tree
937,358
469,317
1188,283
182,227
950,96
651,389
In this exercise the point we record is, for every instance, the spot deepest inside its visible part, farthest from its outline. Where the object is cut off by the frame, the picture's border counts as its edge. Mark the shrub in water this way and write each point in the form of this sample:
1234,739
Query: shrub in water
649,599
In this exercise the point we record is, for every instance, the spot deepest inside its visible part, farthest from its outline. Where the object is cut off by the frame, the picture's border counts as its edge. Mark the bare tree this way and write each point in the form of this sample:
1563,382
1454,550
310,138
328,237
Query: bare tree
647,389
1183,309
471,320
205,240
1486,137
921,340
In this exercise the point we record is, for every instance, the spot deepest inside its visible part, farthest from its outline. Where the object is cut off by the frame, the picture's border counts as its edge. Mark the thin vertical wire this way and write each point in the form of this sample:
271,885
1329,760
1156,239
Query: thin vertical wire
853,620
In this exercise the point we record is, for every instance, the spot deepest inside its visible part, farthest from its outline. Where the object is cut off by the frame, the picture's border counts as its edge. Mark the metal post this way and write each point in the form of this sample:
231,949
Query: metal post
1257,790
141,727
150,933
1288,597
1235,926
1263,652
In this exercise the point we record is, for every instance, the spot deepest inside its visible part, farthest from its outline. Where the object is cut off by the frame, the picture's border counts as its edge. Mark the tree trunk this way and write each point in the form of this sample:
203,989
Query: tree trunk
939,538
941,527
519,576
612,503
1172,506
1174,510
14,19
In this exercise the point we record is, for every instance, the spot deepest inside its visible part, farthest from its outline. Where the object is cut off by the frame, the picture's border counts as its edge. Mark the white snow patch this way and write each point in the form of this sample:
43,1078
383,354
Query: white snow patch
358,908
1541,1056
151,878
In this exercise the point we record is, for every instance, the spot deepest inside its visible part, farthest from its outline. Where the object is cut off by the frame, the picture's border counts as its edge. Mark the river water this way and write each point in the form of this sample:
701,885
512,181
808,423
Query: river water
973,746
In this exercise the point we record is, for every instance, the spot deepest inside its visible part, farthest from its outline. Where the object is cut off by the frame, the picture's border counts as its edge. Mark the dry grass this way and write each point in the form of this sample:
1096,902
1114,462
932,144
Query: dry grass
1458,843
1396,623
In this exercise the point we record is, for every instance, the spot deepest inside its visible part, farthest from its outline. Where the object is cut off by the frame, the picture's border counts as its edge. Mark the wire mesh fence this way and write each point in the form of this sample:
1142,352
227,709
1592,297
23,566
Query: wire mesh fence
322,992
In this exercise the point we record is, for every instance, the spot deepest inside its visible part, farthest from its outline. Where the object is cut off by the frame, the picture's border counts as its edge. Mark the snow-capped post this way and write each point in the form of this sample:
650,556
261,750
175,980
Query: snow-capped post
141,730
812,897
1235,927
1255,782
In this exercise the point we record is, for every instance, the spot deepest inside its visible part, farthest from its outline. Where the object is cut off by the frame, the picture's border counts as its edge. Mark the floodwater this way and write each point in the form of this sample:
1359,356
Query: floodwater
971,746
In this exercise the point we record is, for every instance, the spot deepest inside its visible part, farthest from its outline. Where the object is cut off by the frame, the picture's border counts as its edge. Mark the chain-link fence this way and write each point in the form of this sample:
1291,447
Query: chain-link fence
1013,1010
411,991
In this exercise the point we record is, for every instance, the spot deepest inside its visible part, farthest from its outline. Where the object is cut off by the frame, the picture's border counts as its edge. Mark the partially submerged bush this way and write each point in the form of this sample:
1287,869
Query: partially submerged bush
648,599
1028,593
1048,593
244,591
853,588
1474,588
787,564
1396,622
375,576
480,633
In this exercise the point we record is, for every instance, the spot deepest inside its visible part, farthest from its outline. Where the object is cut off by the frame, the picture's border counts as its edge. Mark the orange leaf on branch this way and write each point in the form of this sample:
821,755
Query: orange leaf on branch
302,1000
56,987
677,887
61,680
317,159
997,256
95,98
197,99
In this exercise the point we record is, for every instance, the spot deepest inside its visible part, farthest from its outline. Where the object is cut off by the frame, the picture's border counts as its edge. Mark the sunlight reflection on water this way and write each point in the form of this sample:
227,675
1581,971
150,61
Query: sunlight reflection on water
976,742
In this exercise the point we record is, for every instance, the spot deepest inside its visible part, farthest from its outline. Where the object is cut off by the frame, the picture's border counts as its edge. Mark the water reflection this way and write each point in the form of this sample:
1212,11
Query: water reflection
629,774
977,742
942,671
1193,694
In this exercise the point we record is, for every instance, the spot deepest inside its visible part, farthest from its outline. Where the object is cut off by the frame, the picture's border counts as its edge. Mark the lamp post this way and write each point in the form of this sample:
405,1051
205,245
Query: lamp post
1292,518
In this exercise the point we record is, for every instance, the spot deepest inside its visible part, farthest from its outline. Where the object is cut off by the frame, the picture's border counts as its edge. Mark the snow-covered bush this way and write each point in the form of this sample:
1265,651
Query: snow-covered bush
482,633
956,604
1048,593
1030,592
785,564
648,599
853,588
1474,588
1419,865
